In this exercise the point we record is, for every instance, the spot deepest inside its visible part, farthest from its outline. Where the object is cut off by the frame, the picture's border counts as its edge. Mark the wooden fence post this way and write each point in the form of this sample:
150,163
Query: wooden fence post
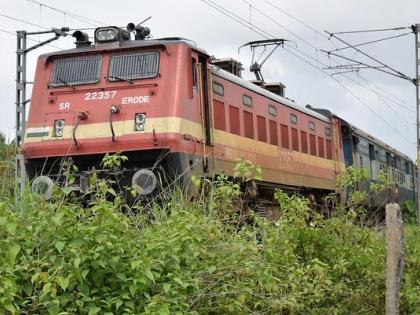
394,258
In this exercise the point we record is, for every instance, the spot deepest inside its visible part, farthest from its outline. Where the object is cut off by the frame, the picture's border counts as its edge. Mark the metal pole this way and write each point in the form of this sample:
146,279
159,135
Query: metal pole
21,101
20,108
416,80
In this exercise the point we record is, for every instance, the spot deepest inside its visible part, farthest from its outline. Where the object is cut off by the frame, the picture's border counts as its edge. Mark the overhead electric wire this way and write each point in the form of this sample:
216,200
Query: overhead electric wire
398,101
233,17
252,27
326,37
366,87
278,24
23,21
374,30
79,17
397,73
372,42
292,17
356,97
381,97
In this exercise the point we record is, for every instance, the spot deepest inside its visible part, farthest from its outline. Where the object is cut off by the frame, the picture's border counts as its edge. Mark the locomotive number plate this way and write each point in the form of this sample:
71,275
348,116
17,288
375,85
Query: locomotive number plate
102,95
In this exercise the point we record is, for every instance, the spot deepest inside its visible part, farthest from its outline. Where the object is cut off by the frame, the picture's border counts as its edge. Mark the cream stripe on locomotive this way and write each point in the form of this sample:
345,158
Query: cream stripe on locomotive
183,126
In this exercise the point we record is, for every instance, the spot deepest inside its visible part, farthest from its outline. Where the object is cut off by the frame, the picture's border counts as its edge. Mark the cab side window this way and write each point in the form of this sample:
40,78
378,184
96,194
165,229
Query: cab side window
194,76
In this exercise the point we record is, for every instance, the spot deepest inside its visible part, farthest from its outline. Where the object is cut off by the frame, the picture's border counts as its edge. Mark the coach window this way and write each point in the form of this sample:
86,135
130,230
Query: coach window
321,147
261,129
273,132
293,119
218,88
304,141
248,125
284,131
311,125
312,144
194,76
247,100
328,132
407,168
272,110
295,140
234,120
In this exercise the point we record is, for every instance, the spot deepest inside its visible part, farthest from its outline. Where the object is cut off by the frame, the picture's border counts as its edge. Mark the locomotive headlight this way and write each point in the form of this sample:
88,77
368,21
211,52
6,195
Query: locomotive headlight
59,127
140,120
106,34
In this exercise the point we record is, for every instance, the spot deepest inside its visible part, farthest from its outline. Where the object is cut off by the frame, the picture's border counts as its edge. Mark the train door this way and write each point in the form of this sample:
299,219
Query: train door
388,166
204,94
373,164
347,146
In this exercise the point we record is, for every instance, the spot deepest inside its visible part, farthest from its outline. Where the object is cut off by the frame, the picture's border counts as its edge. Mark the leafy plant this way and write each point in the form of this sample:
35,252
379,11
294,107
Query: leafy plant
59,257
7,168
113,161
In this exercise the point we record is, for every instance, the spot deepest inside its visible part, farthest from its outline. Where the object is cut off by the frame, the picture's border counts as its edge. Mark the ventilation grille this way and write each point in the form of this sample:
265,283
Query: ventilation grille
134,66
72,71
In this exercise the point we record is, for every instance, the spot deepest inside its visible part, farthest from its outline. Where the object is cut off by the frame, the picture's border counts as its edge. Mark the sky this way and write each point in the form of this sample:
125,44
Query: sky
378,103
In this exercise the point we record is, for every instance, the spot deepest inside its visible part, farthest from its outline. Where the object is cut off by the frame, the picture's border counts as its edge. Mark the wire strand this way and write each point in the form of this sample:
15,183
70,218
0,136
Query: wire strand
23,21
79,17
253,28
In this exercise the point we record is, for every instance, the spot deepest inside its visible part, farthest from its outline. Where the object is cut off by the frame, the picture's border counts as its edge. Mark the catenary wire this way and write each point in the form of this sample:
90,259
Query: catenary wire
316,58
252,27
375,30
331,42
23,21
373,41
79,17
355,96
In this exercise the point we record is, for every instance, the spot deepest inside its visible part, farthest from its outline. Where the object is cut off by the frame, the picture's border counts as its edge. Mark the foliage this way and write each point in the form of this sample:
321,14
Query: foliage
7,168
410,292
409,211
246,170
354,191
113,161
191,258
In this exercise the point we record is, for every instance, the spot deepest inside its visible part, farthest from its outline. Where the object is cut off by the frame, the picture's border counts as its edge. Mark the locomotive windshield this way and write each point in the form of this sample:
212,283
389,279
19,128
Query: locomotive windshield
134,66
73,71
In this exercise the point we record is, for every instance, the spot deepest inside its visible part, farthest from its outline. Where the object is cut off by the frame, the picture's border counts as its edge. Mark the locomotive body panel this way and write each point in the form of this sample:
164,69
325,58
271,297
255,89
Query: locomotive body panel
167,103
282,158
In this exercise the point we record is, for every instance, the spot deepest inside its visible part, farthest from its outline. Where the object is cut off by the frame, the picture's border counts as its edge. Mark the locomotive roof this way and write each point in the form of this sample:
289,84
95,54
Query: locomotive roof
251,86
128,45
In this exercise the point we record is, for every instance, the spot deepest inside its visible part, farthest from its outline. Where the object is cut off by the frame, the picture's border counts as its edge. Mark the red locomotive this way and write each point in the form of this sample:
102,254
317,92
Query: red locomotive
173,111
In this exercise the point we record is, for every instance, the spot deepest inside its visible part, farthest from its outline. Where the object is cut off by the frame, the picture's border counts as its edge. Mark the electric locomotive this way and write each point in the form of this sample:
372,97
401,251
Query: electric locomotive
173,111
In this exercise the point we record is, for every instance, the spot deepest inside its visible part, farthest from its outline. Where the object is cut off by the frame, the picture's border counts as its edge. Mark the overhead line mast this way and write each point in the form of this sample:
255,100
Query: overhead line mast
21,100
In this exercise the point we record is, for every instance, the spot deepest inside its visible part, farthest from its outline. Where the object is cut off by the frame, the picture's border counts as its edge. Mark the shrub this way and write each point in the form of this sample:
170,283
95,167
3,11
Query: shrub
184,257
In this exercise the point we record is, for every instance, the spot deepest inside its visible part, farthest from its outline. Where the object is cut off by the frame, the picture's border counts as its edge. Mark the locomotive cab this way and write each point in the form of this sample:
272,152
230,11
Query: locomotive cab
145,98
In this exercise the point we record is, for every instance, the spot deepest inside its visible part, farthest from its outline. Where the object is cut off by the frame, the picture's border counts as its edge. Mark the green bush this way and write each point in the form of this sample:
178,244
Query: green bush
410,293
185,257
7,168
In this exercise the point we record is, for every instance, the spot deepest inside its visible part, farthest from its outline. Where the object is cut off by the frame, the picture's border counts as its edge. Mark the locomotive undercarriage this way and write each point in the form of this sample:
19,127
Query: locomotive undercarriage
148,171
154,171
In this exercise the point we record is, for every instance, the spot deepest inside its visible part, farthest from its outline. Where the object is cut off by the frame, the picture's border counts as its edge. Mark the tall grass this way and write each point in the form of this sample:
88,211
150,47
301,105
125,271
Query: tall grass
7,168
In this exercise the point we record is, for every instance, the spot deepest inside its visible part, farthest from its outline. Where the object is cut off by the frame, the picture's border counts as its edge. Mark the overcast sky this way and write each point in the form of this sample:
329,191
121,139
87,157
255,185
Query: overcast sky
375,102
